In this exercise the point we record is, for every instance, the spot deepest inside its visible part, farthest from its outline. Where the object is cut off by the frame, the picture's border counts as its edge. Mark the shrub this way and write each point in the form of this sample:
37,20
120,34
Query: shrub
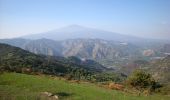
142,81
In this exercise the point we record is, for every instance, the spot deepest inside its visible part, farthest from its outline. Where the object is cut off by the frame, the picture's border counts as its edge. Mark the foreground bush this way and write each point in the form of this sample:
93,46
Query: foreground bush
142,81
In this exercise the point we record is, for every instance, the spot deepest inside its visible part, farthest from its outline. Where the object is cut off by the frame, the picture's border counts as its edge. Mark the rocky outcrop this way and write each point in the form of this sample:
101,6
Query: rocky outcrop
48,96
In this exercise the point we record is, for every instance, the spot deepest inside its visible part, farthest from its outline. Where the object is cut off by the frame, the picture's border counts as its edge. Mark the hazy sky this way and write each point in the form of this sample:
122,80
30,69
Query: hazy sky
146,18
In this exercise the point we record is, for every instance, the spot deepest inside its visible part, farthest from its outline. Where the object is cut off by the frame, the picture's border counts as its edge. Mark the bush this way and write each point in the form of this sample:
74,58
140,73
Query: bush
142,81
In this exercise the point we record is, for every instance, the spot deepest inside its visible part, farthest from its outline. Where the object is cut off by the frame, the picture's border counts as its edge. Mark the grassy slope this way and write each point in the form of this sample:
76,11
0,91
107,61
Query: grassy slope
28,87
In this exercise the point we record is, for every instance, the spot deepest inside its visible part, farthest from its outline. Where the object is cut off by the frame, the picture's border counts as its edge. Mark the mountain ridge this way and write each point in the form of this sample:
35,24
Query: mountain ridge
77,31
108,53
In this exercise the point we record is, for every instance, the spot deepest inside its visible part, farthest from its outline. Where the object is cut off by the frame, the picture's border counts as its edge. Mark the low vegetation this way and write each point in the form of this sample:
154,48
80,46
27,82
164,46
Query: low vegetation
142,81
17,86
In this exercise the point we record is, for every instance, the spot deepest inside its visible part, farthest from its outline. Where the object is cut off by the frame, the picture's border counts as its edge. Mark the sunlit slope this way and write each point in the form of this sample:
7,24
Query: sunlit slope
28,87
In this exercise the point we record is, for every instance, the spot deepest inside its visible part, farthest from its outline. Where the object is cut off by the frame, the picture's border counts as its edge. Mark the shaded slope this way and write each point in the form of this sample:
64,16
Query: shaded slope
18,60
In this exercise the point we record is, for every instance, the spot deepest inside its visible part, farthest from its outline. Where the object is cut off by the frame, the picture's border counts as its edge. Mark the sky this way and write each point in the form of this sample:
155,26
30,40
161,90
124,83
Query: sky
143,18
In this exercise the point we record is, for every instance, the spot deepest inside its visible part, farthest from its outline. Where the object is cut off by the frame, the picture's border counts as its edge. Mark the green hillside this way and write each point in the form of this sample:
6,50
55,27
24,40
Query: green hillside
18,60
28,87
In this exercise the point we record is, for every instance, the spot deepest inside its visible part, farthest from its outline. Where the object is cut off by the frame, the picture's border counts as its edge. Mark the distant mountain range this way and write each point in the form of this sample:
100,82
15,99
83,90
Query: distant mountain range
83,48
109,53
91,49
108,48
76,31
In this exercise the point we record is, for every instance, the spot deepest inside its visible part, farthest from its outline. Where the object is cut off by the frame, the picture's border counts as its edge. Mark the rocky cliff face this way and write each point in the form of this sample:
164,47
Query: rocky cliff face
44,46
82,48
111,53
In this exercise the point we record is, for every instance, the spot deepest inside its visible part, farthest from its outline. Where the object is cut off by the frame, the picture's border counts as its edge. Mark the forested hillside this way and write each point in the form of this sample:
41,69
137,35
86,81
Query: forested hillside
18,60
